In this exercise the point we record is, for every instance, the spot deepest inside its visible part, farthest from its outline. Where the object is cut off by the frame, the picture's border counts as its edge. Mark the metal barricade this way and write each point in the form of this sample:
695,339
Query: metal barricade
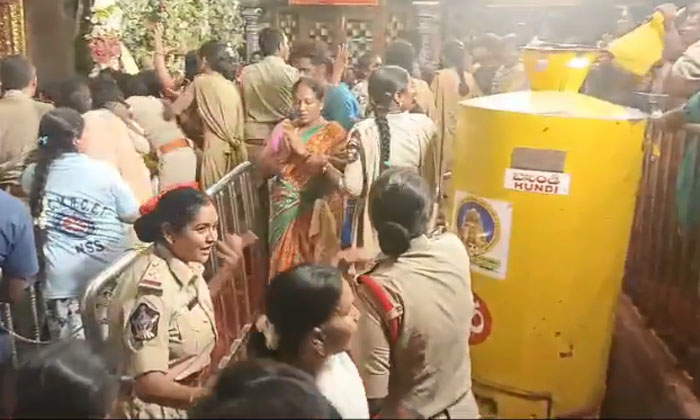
17,341
236,303
663,263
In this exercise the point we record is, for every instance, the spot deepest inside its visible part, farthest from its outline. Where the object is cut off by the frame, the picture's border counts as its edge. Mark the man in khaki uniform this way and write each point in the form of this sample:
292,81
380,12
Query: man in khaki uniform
267,99
426,372
20,116
267,90
177,161
162,322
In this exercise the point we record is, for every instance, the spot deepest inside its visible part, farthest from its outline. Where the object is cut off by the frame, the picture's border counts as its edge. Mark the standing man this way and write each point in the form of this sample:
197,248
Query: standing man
19,118
366,65
267,90
302,53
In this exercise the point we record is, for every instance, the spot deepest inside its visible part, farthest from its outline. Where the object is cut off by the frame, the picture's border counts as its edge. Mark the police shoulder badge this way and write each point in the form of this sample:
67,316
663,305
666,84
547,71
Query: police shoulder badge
144,323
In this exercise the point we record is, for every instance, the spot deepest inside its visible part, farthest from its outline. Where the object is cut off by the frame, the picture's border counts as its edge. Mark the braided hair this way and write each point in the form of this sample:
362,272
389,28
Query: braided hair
384,83
58,130
454,55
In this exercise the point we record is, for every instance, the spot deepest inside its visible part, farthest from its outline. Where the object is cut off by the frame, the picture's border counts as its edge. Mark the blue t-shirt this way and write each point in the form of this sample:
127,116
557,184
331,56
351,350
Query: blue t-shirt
17,247
341,106
17,250
85,203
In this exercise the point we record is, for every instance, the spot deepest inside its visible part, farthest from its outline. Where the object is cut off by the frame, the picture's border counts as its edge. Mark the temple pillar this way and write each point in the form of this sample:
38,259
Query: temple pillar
251,19
427,14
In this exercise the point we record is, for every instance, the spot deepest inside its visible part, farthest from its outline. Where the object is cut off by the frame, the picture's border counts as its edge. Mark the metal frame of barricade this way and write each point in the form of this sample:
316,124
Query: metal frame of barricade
237,302
662,273
8,325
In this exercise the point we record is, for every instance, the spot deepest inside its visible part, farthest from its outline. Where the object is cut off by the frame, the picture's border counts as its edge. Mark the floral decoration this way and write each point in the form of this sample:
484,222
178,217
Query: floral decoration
187,24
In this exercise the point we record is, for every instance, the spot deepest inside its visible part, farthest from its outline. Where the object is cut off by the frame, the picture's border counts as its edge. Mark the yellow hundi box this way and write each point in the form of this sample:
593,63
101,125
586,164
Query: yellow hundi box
543,194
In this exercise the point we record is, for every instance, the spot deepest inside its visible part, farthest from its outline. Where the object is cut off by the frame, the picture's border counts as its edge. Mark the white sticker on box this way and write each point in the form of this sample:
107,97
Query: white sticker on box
539,182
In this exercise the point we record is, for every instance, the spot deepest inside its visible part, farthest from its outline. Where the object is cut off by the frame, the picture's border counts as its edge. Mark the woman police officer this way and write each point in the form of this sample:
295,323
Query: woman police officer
161,315
416,306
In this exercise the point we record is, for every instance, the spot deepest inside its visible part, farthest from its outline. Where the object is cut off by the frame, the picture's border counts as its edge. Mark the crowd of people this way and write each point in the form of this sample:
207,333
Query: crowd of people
369,303
93,166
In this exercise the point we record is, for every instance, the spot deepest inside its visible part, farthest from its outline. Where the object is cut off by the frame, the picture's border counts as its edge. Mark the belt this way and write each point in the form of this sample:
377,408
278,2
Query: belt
173,145
255,142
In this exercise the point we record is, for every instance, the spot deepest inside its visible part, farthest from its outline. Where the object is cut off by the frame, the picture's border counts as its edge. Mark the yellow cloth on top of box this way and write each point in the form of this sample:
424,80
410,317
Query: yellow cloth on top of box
640,49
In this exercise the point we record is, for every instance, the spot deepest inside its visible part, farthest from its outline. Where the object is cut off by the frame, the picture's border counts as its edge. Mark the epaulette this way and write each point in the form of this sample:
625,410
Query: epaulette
389,311
150,281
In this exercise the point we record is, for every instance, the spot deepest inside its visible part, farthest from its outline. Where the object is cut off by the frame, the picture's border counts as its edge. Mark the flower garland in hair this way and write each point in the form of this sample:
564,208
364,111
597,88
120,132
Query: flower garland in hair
267,328
150,205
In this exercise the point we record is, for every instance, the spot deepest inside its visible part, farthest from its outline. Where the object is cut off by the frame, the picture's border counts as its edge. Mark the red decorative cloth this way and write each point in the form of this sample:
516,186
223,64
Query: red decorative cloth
152,203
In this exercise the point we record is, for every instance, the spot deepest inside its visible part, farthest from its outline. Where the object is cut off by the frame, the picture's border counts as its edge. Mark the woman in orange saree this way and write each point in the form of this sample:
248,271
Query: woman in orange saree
306,156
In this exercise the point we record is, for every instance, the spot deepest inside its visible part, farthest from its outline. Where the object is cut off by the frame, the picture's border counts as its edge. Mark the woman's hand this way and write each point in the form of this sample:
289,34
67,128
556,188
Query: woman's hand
158,31
669,12
342,58
335,176
158,388
230,252
293,139
316,163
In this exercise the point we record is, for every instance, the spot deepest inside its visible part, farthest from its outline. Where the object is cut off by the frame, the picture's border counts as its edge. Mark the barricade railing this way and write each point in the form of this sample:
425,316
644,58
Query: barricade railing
20,339
236,302
662,274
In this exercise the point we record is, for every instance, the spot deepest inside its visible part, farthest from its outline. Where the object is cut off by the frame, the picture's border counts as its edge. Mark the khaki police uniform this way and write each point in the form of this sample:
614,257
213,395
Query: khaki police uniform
162,320
20,116
428,369
267,95
177,161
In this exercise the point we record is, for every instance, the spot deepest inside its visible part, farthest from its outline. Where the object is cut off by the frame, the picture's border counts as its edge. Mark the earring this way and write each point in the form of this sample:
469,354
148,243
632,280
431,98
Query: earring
319,342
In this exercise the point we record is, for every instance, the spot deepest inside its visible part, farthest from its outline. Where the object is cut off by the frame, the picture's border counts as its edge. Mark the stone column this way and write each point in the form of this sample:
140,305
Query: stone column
251,16
428,20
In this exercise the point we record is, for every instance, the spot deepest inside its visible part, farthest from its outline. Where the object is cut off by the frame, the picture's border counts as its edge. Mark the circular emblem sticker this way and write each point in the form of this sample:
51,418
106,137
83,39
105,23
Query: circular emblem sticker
481,322
477,226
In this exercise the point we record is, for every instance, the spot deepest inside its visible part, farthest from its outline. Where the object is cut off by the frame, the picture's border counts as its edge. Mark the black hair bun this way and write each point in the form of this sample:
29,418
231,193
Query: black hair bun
147,227
394,239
